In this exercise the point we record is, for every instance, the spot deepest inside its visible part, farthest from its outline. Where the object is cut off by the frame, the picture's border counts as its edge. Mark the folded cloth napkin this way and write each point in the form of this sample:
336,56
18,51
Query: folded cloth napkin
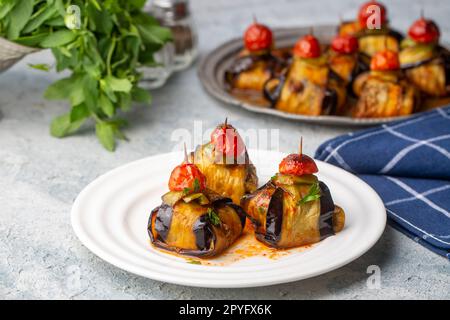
408,163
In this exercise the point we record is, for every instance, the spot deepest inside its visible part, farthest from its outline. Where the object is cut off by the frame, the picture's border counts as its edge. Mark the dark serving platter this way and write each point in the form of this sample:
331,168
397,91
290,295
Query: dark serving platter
212,69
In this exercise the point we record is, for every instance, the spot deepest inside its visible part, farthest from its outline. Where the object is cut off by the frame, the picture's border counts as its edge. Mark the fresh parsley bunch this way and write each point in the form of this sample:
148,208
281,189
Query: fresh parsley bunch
114,38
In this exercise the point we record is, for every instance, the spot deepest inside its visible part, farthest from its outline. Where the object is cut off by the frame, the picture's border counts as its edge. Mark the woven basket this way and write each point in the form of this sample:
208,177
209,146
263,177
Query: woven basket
11,52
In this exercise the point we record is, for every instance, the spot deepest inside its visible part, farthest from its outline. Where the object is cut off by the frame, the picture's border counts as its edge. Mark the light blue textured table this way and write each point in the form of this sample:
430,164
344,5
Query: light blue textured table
40,176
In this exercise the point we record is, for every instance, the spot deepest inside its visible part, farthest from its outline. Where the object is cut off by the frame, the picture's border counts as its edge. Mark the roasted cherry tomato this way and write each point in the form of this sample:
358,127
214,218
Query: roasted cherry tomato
258,37
298,165
364,13
385,60
307,47
424,31
345,44
188,178
227,141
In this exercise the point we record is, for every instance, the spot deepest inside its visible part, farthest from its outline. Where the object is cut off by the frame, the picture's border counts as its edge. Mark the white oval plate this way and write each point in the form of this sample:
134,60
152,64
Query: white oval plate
110,218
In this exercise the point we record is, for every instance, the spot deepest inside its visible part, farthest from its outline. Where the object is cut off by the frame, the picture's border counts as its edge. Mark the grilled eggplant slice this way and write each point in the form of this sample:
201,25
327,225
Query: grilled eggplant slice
371,41
383,94
282,220
343,65
306,89
251,71
428,68
196,227
228,180
371,44
430,78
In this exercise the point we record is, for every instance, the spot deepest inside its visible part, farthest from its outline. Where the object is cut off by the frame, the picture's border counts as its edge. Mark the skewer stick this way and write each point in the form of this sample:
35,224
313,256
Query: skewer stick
186,158
301,146
226,122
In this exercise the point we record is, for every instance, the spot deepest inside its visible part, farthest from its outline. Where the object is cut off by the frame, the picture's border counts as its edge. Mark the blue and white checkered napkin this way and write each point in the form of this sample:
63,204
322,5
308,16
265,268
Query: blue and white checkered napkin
408,164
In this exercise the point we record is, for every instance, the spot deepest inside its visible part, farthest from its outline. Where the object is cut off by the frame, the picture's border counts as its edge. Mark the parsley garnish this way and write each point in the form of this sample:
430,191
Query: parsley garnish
313,194
196,185
213,217
194,262
194,189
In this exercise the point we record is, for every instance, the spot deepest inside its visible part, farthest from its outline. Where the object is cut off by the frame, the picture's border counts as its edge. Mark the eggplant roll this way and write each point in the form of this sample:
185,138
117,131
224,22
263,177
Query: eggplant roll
251,71
427,67
282,221
371,41
184,225
383,94
228,180
307,89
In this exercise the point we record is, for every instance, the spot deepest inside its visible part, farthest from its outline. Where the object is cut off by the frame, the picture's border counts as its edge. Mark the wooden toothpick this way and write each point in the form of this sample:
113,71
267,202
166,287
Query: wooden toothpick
186,159
301,146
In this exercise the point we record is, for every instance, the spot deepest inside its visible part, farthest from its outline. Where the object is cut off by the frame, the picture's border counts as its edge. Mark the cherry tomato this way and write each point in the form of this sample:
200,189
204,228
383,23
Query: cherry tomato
187,177
385,60
298,164
227,141
258,37
364,14
345,44
424,31
307,47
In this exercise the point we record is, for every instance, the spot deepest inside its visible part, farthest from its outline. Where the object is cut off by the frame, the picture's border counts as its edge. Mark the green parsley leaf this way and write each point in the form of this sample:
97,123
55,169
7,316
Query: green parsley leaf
40,66
194,262
19,17
313,194
105,133
213,217
196,185
79,112
141,95
62,126
58,38
116,84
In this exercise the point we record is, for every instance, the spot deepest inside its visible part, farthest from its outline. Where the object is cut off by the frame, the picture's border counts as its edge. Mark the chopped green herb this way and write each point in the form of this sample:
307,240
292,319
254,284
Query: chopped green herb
196,185
186,190
261,210
194,262
40,66
273,177
213,217
313,194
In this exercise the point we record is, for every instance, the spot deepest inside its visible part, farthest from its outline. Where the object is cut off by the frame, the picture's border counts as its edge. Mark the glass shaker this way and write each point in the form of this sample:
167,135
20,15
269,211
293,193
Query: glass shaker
175,14
156,76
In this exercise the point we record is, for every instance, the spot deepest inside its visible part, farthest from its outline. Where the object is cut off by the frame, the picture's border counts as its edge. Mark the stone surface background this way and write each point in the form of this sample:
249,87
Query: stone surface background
41,258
